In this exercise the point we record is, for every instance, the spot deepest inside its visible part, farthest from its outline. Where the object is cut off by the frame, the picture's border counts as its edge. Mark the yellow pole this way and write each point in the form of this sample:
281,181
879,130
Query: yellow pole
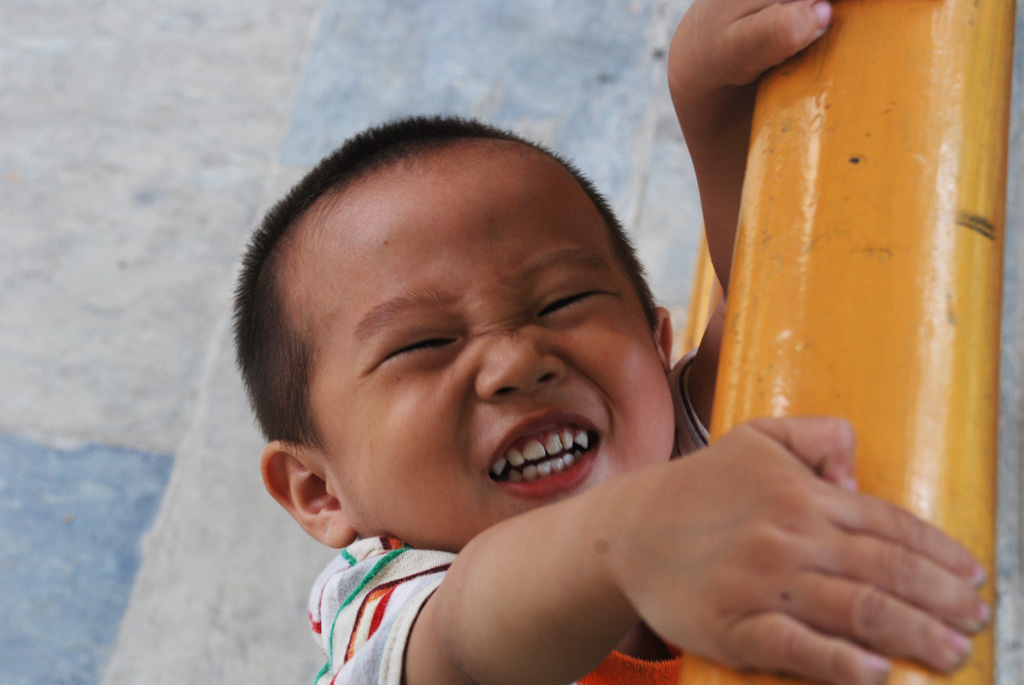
706,295
868,267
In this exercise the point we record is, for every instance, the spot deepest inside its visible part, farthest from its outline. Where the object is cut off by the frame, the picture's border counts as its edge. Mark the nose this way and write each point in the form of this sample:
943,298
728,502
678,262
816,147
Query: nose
516,363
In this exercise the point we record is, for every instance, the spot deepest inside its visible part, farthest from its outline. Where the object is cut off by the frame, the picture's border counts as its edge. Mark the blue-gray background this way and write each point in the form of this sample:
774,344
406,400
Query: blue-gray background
139,143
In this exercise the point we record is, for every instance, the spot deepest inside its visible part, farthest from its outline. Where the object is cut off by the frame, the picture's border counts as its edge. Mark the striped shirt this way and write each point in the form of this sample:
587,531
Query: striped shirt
363,605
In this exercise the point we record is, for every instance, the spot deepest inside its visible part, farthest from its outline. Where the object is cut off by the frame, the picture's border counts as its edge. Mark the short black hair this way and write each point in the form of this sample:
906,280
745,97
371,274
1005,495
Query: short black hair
275,358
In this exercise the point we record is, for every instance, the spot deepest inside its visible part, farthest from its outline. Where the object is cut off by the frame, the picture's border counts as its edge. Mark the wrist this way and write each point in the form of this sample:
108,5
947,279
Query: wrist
606,530
710,114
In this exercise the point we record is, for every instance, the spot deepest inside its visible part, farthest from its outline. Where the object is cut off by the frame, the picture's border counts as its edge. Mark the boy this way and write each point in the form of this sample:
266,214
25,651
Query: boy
451,348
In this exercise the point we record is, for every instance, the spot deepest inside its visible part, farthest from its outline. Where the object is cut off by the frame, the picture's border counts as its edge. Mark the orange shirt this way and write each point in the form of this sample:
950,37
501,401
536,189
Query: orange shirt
619,669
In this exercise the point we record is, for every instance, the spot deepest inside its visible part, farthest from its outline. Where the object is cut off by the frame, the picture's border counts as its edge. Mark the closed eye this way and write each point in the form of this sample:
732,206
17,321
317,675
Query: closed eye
567,302
422,345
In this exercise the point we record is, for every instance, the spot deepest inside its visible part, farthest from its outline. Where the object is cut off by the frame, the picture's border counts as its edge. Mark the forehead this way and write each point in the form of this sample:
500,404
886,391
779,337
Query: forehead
430,216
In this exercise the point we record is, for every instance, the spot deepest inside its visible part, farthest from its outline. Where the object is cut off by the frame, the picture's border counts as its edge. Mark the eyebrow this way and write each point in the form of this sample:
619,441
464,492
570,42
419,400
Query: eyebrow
576,256
383,314
380,316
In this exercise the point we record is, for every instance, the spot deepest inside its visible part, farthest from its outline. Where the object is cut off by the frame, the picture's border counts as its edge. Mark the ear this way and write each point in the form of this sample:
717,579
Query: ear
663,336
289,476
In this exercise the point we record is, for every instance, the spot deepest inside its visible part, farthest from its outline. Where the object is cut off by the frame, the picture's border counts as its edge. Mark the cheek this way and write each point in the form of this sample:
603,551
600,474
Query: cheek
405,429
412,409
648,414
654,423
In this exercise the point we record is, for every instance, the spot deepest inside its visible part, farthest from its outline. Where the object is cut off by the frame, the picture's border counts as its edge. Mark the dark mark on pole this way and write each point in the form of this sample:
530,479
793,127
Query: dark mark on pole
976,223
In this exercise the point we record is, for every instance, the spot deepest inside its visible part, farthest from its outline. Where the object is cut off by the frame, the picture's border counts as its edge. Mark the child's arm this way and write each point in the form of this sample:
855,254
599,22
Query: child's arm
755,562
718,51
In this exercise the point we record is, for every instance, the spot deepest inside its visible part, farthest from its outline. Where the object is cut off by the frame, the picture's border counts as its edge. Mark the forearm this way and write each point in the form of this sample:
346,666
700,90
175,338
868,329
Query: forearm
718,139
717,132
546,613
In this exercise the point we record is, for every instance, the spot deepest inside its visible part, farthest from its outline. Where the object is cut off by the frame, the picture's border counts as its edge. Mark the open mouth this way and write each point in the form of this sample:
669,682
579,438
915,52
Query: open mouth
543,455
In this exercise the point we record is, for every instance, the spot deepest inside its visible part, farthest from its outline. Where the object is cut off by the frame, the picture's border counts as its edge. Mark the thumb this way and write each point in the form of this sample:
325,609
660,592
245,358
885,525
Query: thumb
824,444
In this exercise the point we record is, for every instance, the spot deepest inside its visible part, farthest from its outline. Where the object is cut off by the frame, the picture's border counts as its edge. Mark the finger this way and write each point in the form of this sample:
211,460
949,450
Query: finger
875,619
775,33
912,578
777,643
824,444
873,516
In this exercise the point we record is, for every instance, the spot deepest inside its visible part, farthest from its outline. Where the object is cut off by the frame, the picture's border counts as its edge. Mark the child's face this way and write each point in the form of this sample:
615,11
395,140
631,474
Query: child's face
461,307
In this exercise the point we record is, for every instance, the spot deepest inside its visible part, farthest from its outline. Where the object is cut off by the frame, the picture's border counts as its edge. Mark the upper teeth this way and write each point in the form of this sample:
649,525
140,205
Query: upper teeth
534,451
554,444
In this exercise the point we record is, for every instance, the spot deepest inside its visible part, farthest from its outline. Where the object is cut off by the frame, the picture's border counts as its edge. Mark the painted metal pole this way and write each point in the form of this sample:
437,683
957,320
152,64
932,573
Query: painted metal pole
868,267
706,295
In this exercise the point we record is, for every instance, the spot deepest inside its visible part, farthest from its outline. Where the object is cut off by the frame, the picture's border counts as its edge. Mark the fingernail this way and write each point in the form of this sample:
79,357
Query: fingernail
877,664
824,12
960,645
979,576
984,614
848,483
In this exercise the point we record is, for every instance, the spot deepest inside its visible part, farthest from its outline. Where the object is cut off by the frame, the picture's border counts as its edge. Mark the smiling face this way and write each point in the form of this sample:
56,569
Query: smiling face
478,350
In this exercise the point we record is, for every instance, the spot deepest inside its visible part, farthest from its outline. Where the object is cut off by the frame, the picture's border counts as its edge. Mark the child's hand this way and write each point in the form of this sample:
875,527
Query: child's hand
722,44
718,51
739,553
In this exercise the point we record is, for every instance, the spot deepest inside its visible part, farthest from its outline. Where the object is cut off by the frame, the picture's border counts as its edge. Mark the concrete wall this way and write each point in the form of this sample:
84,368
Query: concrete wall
140,143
